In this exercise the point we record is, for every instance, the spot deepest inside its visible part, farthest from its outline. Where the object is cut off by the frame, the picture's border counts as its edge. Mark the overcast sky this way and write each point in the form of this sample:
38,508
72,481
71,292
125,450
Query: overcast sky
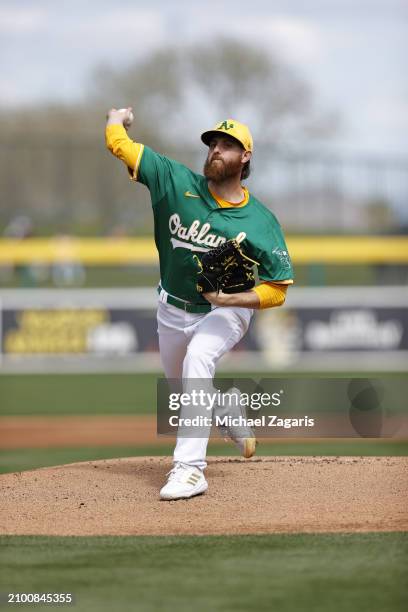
352,52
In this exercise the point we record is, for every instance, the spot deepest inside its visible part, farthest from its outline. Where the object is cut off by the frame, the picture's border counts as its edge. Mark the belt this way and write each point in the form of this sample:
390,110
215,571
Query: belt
182,304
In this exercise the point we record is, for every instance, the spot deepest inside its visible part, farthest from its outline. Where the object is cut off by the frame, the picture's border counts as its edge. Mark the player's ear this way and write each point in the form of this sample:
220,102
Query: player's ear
246,156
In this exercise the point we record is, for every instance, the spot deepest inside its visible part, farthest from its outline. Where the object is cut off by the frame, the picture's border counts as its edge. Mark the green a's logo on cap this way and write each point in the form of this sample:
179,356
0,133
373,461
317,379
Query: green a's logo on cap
225,126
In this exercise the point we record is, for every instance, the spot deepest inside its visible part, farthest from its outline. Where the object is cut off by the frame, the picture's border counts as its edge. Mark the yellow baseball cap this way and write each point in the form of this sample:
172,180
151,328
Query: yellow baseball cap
232,128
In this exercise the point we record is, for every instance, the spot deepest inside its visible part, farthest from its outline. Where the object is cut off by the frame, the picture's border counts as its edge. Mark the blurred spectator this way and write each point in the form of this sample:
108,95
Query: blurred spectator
68,271
21,227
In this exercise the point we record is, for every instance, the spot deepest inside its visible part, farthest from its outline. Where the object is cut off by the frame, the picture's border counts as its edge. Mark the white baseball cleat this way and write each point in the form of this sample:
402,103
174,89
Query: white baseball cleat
241,434
183,481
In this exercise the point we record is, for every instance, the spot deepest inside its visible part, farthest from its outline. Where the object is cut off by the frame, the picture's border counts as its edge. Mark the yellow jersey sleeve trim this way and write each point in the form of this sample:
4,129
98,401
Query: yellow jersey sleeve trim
270,294
286,281
120,145
133,173
225,204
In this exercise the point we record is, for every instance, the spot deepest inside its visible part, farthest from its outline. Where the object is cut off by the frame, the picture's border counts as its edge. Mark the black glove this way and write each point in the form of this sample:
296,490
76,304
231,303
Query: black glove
225,268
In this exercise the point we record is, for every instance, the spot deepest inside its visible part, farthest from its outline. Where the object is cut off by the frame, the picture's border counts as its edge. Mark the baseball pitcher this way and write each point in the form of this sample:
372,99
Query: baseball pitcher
210,233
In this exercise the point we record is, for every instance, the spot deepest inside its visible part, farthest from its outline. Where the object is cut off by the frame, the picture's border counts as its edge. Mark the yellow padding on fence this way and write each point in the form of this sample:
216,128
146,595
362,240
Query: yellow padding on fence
349,249
142,251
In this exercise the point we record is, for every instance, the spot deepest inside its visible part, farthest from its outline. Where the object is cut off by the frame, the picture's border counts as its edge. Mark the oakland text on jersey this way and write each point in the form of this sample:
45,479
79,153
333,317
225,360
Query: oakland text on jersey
197,234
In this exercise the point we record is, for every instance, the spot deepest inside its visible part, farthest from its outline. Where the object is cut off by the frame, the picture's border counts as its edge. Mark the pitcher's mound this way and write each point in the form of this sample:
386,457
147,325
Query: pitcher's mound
262,495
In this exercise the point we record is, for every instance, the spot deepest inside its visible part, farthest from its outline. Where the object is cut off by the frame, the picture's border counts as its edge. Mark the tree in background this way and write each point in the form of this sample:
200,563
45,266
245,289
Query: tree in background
177,92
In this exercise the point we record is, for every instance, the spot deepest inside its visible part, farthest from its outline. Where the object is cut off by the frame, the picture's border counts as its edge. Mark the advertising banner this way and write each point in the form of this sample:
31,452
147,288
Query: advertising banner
317,329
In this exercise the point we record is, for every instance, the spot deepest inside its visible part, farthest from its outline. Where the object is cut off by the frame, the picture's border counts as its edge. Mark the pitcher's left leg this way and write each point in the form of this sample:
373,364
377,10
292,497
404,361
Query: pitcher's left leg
212,337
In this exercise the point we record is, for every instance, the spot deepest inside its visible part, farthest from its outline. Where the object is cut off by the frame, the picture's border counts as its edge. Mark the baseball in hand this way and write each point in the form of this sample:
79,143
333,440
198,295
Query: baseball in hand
129,116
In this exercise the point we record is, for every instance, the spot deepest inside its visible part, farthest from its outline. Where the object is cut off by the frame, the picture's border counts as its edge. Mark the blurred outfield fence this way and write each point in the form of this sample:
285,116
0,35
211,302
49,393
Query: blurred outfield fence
343,328
348,329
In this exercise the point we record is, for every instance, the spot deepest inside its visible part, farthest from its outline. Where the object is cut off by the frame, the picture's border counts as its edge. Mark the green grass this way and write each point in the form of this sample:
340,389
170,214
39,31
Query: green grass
286,573
72,394
31,458
59,394
18,460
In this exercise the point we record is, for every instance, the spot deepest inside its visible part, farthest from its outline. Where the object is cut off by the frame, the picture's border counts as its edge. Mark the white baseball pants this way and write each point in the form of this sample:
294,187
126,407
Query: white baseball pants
190,347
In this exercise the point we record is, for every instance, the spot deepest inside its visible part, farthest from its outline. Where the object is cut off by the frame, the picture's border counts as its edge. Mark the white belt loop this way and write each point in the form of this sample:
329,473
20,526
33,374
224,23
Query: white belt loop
163,296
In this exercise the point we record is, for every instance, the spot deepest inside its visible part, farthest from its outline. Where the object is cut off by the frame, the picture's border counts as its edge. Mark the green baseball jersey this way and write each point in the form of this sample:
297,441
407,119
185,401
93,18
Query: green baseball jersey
189,221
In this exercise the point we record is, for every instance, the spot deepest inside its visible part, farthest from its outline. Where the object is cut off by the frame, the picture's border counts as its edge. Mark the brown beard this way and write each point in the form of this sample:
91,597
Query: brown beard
218,171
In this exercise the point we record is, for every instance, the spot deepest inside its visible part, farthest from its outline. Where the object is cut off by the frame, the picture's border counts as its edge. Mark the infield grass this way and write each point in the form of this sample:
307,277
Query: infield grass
286,573
17,460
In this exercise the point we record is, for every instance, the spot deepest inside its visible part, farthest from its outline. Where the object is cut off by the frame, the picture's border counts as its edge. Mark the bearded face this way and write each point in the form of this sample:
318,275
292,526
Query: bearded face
217,169
224,160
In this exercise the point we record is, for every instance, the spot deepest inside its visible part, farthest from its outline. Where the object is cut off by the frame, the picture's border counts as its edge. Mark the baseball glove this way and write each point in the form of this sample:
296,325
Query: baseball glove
225,268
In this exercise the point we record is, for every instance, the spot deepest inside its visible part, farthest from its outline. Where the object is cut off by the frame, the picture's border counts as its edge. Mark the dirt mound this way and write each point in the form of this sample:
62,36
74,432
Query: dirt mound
262,495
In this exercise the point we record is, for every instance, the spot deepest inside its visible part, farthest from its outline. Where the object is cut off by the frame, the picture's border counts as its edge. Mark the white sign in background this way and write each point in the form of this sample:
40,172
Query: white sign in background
318,329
